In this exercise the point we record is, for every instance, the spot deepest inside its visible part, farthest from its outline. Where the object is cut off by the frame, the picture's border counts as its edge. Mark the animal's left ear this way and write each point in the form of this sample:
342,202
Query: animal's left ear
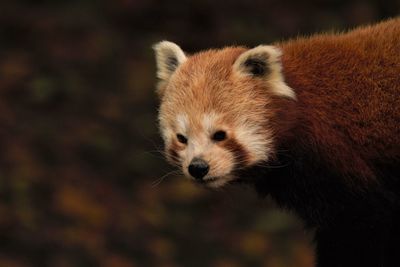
264,61
168,57
258,61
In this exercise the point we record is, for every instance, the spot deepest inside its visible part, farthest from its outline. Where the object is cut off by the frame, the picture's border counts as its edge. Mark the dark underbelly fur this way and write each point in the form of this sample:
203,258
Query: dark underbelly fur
354,226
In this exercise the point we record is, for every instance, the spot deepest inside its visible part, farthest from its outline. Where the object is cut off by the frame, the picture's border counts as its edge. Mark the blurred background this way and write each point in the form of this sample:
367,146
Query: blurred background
81,180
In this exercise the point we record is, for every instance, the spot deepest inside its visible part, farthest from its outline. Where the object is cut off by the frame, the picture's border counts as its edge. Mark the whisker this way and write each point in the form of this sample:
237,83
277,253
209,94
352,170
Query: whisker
162,178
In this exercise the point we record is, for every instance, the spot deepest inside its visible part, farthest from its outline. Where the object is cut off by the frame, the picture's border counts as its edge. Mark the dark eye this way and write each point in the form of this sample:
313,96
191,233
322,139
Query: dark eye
182,139
219,136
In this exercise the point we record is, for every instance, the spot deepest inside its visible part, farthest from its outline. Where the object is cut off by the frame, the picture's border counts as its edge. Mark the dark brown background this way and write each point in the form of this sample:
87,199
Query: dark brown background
78,136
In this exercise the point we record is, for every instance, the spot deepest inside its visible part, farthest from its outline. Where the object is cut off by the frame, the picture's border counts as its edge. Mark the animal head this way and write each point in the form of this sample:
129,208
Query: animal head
218,108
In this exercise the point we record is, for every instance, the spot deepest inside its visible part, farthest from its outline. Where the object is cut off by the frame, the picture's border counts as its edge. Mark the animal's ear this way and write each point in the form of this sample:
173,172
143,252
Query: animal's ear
264,61
257,61
168,57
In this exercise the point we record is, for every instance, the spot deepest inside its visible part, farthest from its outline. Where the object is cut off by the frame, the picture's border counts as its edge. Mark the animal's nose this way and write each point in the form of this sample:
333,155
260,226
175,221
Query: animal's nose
198,168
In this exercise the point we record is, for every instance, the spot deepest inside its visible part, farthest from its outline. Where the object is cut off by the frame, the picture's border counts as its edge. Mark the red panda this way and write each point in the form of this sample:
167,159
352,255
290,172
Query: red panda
314,122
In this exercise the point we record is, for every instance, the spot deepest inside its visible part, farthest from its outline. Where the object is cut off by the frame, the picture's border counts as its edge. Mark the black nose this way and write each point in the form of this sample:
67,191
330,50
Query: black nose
198,168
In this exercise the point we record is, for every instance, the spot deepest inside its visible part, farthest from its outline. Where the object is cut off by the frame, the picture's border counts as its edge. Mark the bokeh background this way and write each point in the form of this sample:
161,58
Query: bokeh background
82,182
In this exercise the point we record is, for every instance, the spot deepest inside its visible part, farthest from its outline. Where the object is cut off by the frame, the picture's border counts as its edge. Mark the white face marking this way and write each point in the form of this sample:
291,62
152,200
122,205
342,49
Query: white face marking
209,121
221,181
257,140
182,124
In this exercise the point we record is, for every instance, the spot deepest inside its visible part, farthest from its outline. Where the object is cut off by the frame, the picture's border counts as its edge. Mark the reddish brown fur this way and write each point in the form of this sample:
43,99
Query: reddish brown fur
241,155
348,90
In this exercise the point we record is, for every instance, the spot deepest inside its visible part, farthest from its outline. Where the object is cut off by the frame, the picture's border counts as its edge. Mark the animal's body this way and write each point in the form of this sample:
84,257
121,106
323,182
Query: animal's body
313,122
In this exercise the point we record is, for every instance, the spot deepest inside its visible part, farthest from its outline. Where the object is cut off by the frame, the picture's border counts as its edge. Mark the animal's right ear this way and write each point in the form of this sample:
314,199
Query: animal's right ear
168,57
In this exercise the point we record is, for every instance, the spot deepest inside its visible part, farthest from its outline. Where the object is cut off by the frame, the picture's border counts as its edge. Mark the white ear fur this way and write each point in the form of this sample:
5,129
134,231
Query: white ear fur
168,57
264,61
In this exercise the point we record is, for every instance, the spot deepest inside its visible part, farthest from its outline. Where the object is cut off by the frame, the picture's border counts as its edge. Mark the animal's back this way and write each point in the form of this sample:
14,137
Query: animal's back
348,89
